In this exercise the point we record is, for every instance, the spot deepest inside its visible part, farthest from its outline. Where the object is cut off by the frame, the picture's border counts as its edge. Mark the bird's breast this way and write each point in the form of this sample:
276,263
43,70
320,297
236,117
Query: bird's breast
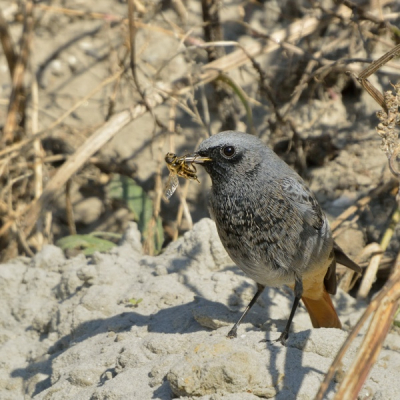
252,243
265,238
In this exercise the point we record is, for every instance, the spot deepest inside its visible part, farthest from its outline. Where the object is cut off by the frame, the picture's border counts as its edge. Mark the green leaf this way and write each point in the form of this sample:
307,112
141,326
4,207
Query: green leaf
135,302
140,204
87,243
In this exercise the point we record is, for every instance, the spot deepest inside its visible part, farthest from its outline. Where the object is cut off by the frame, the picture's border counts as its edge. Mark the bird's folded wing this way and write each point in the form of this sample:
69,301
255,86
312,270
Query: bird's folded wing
303,200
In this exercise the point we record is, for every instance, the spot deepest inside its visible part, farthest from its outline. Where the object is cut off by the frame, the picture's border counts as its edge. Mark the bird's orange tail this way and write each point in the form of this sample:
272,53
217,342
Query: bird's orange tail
322,312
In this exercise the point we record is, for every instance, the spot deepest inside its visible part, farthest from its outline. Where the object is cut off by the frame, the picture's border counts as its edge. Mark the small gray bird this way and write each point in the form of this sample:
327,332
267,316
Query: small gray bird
271,224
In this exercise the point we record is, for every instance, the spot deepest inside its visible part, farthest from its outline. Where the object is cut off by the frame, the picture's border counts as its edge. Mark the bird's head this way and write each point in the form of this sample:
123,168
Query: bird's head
230,156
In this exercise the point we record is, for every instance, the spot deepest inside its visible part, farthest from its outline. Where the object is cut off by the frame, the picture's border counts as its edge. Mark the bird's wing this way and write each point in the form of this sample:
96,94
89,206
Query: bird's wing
287,209
303,200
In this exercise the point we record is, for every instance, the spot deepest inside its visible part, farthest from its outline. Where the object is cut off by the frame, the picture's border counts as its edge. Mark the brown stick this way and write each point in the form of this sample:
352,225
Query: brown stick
213,33
16,106
24,243
370,273
384,305
39,153
7,44
132,42
183,207
362,77
371,346
37,145
69,209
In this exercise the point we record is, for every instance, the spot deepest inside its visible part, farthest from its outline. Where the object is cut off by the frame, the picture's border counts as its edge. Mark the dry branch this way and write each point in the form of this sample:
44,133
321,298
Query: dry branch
7,44
133,63
69,208
383,308
362,203
38,155
362,78
372,269
213,33
16,105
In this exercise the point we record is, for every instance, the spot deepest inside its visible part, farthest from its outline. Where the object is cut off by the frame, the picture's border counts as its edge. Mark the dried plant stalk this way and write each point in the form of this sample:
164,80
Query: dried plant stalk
149,245
349,279
7,45
16,106
370,274
183,210
69,208
383,306
38,154
213,33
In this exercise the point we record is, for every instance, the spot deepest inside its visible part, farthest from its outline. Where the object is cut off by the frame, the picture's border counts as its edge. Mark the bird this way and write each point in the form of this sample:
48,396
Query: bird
271,225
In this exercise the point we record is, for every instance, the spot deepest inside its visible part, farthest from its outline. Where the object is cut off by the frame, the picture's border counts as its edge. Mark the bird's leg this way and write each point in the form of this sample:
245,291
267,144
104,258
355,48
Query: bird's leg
298,292
233,332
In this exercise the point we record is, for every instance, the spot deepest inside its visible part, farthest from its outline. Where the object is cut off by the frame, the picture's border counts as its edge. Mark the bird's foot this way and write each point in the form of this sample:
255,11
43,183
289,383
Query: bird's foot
282,339
232,333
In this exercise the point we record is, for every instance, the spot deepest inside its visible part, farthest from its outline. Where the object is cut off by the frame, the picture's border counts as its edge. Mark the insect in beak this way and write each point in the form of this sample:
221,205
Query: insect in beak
183,167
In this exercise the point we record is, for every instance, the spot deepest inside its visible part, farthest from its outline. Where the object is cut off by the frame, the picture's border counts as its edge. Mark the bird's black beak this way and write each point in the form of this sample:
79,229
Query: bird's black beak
196,159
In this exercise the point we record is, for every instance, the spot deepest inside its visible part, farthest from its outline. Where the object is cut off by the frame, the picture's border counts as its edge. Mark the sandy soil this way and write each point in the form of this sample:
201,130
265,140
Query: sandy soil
72,331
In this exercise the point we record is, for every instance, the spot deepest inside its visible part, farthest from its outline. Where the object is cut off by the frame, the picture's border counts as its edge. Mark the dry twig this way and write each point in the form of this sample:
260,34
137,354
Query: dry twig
213,33
16,105
383,308
370,274
133,63
69,208
7,44
362,78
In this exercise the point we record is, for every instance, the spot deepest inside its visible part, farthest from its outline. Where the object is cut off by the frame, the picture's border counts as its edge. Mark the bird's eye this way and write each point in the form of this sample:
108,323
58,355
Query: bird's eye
228,151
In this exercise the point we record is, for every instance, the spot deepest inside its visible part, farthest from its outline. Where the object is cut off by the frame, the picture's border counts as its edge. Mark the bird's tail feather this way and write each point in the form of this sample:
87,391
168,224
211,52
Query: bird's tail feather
342,258
322,312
